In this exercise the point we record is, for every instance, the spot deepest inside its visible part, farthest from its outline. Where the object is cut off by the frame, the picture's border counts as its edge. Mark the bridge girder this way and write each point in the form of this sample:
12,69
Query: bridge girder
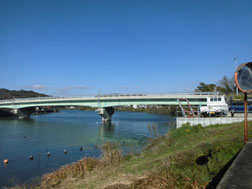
102,102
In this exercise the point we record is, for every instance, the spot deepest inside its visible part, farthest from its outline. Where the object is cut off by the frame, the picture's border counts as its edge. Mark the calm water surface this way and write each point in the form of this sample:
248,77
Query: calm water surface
70,130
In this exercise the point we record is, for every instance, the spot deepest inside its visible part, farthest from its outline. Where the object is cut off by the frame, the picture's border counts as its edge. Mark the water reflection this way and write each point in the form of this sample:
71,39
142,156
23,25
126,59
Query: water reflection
108,127
106,130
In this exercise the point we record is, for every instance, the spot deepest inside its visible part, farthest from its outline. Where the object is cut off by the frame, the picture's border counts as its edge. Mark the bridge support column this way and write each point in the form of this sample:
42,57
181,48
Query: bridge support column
106,113
22,113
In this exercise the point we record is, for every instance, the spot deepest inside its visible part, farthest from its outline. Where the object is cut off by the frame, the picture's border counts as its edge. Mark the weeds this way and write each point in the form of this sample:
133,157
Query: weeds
111,154
153,131
77,170
185,130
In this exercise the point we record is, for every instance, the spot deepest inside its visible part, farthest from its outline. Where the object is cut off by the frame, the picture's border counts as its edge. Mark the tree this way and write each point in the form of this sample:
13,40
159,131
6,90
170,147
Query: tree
205,87
225,85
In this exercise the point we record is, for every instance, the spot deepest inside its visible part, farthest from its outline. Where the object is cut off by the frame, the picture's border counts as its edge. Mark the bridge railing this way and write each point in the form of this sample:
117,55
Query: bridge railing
157,94
182,93
108,95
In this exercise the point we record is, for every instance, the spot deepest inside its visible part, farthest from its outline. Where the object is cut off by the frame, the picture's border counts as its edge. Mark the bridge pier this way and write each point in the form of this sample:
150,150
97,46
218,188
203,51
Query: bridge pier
23,113
106,113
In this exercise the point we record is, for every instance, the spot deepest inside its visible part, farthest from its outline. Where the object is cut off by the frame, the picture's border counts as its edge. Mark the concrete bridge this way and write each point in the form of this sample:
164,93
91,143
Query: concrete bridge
104,103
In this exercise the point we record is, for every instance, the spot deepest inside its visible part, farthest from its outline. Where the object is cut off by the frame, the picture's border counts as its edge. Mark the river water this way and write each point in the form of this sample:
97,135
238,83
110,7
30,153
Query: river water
68,130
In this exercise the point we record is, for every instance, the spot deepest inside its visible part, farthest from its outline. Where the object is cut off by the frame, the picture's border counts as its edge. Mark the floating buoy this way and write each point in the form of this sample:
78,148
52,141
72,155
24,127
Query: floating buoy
48,153
6,161
30,157
81,148
65,151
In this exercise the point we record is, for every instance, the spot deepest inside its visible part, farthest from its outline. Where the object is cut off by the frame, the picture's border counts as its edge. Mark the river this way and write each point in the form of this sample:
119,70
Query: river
68,130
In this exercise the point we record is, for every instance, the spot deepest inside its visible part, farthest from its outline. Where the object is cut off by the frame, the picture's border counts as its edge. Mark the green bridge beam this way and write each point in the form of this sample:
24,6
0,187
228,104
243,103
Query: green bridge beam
104,101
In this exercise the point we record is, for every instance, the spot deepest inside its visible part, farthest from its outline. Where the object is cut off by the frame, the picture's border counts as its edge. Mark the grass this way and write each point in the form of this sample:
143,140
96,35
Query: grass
167,162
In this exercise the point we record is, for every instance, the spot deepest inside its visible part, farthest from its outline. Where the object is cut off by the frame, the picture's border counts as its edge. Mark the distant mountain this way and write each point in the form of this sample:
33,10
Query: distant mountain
9,94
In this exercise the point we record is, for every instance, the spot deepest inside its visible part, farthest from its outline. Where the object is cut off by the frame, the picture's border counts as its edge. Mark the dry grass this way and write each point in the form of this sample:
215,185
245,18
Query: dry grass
111,154
76,170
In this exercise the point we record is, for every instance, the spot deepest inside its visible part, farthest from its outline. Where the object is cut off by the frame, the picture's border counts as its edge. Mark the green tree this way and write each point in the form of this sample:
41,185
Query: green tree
205,87
225,85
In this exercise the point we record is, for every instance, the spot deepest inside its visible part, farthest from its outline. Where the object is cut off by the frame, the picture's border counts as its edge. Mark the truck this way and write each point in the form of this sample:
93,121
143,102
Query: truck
216,106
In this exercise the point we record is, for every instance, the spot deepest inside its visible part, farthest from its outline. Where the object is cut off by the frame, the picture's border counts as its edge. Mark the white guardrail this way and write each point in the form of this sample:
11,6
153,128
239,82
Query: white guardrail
109,95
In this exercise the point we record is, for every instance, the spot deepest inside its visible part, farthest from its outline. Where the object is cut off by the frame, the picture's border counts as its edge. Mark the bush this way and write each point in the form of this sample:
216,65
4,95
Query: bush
111,154
185,130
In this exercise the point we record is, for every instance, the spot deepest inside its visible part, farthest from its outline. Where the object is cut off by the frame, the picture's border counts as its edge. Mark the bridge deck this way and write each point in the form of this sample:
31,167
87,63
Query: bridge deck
106,100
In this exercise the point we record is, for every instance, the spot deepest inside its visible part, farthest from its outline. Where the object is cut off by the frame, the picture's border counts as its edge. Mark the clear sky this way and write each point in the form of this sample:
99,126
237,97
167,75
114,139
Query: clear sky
77,47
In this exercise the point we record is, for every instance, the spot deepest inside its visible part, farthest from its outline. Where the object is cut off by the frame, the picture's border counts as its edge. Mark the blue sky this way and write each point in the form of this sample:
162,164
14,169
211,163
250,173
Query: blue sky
64,47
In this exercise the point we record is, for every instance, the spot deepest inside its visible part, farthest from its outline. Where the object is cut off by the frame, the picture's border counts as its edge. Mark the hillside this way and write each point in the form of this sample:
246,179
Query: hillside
9,94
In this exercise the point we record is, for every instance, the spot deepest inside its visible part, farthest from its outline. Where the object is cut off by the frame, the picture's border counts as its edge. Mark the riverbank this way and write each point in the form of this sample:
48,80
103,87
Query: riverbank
170,161
162,110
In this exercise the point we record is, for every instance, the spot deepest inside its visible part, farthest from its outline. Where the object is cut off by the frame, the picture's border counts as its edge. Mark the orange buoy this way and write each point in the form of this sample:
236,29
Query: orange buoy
6,161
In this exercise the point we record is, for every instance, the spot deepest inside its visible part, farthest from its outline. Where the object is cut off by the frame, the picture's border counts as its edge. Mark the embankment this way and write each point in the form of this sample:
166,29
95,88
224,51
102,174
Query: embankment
188,157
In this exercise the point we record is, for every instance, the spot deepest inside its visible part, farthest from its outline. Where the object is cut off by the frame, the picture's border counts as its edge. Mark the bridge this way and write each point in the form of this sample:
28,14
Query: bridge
22,107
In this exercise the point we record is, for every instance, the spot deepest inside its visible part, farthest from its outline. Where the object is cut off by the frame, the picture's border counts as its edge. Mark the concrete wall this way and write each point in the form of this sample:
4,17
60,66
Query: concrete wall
208,121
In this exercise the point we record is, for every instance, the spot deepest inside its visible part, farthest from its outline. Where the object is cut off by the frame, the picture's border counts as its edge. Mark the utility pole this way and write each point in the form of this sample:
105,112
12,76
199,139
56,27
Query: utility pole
235,59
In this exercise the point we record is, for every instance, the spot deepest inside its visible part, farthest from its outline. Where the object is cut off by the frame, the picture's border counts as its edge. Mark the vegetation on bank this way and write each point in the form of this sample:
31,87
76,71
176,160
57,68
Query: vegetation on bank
166,110
10,94
86,108
170,161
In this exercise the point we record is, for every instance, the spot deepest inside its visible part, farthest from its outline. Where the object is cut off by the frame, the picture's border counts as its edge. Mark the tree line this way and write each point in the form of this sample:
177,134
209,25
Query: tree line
10,94
225,85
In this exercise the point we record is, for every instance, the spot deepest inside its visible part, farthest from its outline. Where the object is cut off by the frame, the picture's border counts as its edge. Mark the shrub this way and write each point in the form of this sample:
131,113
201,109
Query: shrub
111,154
